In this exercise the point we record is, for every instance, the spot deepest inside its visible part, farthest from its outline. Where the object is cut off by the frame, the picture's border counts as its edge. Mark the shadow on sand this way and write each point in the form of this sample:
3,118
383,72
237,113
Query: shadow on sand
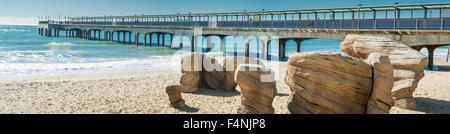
188,109
217,93
432,106
444,68
226,93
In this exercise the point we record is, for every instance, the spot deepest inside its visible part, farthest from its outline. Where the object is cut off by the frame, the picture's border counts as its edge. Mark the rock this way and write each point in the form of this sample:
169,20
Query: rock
190,82
213,74
191,69
380,101
192,63
328,83
258,87
408,63
174,93
230,66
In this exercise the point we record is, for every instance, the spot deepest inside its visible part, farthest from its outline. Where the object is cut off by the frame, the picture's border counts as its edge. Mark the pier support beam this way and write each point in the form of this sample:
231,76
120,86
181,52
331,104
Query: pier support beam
247,48
118,37
124,37
431,56
181,43
208,44
265,50
136,39
163,40
221,42
448,53
95,35
129,37
145,39
171,40
282,49
194,43
150,39
158,35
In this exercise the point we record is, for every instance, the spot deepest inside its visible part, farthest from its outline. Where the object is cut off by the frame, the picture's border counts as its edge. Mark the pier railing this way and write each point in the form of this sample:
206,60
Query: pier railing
428,24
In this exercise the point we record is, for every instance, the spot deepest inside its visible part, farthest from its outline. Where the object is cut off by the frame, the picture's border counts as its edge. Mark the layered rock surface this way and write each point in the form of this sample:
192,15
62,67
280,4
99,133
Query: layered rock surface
328,83
258,87
380,100
408,63
230,66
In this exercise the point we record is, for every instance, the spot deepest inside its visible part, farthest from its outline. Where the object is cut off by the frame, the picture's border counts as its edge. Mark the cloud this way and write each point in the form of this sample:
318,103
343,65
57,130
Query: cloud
18,21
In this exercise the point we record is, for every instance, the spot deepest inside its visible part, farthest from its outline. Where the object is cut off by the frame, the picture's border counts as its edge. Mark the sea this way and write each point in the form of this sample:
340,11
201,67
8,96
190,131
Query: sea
24,53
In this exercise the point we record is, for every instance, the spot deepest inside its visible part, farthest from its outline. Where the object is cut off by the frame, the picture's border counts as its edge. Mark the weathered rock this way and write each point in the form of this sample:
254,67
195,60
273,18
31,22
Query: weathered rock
258,89
328,83
191,69
213,74
230,66
408,63
380,101
174,93
190,82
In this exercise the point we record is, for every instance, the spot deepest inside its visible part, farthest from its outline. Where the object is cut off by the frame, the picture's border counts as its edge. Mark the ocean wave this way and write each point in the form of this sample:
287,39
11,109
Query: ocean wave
14,30
126,65
59,44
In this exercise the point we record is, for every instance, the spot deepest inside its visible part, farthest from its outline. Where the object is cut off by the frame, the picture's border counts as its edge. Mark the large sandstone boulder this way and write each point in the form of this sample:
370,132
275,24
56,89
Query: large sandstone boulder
258,89
200,71
191,69
213,74
230,66
380,101
328,83
408,63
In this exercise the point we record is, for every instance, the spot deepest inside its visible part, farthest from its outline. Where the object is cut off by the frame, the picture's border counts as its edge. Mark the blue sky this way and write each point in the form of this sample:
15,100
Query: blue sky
35,8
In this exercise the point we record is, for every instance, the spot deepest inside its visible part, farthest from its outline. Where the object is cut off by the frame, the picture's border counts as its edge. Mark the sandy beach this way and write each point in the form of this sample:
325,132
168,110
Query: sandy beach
144,93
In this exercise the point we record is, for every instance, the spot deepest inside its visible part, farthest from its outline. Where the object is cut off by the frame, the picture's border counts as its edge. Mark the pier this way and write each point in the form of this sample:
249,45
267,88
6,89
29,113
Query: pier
418,26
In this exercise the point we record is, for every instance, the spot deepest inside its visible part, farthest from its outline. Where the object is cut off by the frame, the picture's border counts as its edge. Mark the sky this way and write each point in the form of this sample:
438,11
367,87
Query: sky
26,12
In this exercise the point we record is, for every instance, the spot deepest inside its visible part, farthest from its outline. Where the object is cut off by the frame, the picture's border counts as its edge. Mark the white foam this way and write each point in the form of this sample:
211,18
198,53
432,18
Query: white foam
155,63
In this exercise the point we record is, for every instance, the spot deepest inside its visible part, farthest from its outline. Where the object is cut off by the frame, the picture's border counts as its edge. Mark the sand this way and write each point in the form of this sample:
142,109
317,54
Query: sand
144,93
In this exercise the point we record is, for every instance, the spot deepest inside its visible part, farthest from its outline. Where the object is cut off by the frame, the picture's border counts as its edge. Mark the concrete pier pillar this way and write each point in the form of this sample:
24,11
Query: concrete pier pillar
208,44
99,35
39,31
129,37
118,37
221,43
194,43
145,39
181,43
448,53
281,49
150,41
171,40
431,56
111,36
163,40
299,44
124,37
265,50
158,36
247,48
95,35
136,39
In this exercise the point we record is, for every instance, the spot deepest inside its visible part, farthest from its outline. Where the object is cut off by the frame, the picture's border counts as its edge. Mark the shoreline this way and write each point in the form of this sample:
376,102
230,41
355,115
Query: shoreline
144,92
